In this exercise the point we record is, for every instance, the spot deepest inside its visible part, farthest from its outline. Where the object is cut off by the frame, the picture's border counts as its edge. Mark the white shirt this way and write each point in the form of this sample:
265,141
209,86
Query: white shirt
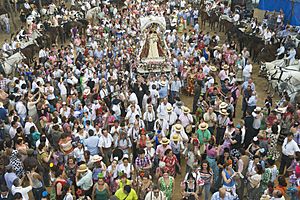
162,109
150,196
127,170
289,148
133,98
21,108
62,88
171,118
247,70
267,35
23,191
149,116
27,127
106,142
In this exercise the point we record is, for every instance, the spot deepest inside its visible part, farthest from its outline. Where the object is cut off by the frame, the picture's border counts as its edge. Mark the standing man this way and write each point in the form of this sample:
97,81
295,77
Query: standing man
105,145
7,24
175,88
247,71
84,179
211,119
289,148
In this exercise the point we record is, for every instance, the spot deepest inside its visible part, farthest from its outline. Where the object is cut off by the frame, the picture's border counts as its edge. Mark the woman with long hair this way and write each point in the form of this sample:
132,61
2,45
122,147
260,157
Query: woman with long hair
189,188
206,175
228,174
167,184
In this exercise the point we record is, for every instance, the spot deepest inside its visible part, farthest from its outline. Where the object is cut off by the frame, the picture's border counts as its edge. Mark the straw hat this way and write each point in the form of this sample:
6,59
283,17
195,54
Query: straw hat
165,141
203,126
82,168
178,127
96,158
257,109
169,108
213,68
223,105
225,67
186,110
175,137
223,112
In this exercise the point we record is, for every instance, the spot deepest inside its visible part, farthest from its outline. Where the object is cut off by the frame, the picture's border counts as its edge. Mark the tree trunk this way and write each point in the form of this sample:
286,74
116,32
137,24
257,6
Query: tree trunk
11,13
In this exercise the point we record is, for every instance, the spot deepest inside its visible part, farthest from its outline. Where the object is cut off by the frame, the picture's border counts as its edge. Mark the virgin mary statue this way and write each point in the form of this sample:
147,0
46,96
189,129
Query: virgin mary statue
153,47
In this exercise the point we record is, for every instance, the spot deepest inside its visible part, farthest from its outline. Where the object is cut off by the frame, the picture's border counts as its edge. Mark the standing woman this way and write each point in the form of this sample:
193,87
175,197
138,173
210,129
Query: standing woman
43,158
37,184
101,189
171,162
206,174
212,154
145,186
227,174
167,184
190,188
31,105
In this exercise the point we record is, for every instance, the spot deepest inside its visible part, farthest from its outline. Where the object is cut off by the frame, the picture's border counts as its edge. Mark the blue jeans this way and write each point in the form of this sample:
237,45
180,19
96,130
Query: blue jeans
213,165
206,188
7,28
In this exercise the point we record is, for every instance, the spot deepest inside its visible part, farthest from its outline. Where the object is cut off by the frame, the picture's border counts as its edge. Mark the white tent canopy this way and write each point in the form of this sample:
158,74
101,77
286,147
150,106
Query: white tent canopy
147,21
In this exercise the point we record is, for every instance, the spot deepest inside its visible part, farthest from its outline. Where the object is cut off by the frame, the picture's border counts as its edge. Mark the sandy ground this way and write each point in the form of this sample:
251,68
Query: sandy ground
188,100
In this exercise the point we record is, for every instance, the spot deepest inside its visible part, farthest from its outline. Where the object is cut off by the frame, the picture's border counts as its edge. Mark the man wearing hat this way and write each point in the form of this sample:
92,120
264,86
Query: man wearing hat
186,118
171,117
84,179
164,145
223,121
176,146
203,135
211,119
178,106
178,129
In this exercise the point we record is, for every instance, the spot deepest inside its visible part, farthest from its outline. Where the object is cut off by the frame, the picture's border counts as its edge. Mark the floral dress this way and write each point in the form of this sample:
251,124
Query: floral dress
167,189
170,164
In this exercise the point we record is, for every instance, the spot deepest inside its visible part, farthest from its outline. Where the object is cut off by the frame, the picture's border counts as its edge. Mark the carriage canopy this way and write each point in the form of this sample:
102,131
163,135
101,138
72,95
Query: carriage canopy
149,20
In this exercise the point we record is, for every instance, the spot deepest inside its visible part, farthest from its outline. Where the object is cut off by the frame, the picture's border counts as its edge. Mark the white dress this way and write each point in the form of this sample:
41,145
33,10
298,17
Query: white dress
153,50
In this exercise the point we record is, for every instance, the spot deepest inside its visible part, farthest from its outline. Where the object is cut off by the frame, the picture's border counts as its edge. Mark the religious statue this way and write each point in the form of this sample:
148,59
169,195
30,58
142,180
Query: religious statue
152,48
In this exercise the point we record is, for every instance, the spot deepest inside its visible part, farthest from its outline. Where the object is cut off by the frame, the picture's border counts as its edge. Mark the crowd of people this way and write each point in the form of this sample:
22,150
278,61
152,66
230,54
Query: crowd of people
81,122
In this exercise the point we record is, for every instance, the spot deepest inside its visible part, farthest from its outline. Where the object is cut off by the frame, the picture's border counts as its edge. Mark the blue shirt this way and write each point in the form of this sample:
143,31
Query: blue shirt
163,92
252,101
91,144
245,85
9,179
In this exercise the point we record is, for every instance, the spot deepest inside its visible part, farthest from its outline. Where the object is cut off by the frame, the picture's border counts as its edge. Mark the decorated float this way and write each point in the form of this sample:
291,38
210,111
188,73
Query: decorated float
154,55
